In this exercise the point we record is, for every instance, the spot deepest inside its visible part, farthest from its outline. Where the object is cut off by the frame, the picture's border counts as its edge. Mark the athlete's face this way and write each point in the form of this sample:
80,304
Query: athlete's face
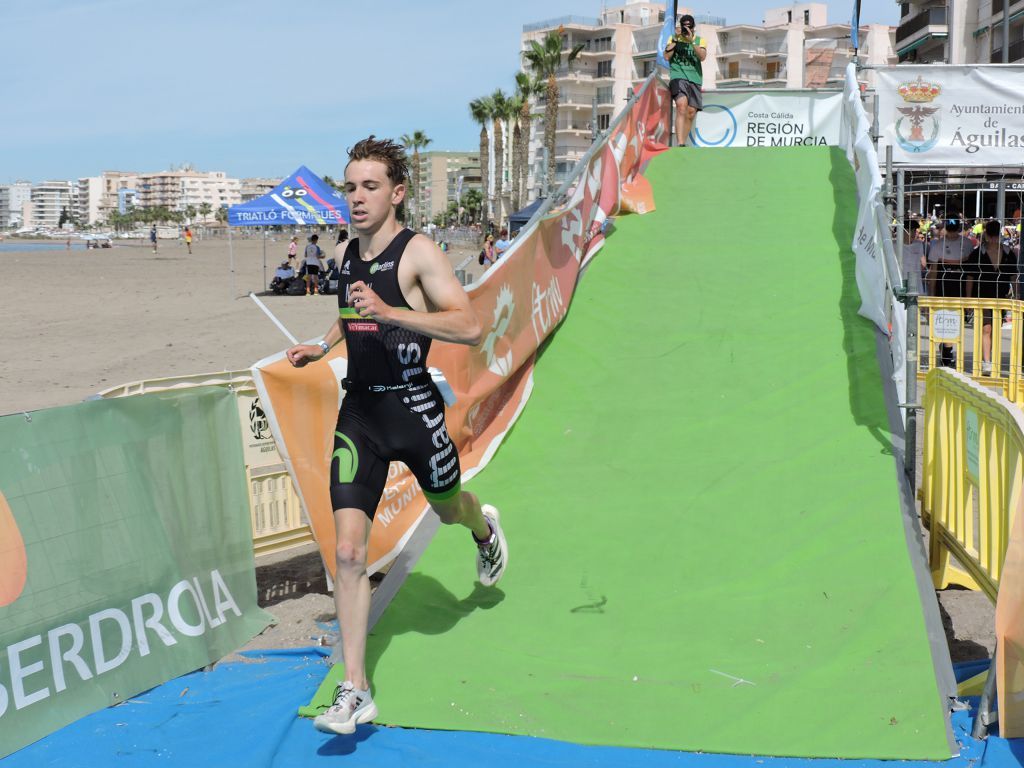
372,196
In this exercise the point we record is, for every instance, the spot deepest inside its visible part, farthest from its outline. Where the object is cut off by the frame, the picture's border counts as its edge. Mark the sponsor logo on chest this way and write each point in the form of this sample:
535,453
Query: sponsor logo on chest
383,266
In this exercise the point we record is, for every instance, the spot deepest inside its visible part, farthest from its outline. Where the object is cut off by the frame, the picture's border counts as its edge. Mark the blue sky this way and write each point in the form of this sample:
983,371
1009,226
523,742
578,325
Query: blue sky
256,88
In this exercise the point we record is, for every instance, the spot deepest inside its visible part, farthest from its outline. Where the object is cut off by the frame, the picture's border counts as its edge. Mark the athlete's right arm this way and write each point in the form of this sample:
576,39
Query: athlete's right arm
301,354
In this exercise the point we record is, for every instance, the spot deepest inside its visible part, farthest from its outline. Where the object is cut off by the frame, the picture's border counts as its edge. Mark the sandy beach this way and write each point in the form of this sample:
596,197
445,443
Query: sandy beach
81,321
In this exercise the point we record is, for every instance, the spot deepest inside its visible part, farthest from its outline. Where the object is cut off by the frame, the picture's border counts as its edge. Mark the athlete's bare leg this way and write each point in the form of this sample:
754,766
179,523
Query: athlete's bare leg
463,509
352,591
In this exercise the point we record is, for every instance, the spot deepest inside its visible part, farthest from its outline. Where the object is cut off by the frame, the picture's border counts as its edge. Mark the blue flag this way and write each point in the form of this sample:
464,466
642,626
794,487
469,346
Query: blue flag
666,34
855,26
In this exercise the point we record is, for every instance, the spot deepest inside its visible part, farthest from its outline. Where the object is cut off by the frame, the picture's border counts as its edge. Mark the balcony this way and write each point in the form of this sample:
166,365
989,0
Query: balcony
910,30
1016,52
573,128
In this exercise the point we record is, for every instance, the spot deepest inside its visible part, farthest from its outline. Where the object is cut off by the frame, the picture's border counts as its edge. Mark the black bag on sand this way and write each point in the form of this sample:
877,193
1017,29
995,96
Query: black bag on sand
296,287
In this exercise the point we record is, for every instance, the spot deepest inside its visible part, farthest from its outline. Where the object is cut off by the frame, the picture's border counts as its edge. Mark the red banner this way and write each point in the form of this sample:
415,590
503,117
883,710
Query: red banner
520,300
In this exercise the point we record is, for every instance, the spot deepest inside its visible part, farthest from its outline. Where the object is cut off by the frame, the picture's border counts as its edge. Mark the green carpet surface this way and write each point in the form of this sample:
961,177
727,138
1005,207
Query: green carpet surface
700,500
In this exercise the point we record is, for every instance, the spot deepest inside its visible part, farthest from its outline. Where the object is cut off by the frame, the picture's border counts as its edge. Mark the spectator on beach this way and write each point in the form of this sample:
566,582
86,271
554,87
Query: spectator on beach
992,273
486,257
341,245
685,52
152,237
188,238
502,244
313,264
293,250
946,256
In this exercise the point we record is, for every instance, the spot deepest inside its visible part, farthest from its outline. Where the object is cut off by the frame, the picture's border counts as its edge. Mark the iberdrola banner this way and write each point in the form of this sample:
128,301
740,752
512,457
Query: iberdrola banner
125,553
944,115
520,300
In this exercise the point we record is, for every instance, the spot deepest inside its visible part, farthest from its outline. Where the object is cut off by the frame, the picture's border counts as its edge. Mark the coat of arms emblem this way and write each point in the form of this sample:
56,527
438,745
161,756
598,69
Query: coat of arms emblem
918,117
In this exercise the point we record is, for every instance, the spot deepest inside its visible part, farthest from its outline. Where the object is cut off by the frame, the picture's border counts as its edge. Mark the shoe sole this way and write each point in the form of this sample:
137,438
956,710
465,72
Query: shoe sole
501,538
349,726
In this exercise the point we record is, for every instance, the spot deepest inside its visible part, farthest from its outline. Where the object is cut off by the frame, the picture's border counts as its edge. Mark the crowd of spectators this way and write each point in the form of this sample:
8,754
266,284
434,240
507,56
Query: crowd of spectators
955,258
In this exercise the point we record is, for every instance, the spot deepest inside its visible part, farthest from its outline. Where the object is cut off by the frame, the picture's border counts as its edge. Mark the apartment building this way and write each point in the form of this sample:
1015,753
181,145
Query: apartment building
439,178
776,53
49,200
620,50
98,196
176,190
253,188
594,86
13,200
959,32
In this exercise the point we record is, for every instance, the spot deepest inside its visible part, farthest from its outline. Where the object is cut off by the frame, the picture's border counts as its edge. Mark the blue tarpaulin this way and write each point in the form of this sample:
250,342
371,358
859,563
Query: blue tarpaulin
244,713
303,198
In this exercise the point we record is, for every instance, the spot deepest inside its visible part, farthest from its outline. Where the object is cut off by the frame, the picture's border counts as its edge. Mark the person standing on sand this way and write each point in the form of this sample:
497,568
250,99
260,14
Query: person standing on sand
152,237
396,294
188,238
313,264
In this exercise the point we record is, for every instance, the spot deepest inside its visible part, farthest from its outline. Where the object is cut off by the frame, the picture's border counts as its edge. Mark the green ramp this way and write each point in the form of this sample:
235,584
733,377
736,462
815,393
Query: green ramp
707,549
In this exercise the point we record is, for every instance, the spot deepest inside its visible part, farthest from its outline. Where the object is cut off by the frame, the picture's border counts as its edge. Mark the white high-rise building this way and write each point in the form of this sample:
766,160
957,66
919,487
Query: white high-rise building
13,199
50,199
87,200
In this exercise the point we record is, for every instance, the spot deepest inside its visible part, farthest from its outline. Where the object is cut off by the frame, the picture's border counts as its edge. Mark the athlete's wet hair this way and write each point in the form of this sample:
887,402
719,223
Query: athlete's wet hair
385,151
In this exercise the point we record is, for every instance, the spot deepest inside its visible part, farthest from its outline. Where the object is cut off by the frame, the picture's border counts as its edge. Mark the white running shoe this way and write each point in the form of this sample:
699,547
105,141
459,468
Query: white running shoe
491,555
351,707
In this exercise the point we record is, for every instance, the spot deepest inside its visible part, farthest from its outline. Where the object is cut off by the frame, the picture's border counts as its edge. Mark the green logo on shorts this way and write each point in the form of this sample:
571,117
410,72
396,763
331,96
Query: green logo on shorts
348,460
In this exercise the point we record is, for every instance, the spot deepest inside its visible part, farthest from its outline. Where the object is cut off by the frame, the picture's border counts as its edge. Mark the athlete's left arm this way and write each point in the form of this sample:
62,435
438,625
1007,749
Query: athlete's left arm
454,319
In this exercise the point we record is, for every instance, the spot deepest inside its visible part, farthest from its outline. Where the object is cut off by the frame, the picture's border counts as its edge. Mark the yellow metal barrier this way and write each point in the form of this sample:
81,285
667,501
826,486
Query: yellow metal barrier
958,325
274,504
971,482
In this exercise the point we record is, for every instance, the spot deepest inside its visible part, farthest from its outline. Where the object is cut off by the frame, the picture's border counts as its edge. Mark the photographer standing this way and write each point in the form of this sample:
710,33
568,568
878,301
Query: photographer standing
685,52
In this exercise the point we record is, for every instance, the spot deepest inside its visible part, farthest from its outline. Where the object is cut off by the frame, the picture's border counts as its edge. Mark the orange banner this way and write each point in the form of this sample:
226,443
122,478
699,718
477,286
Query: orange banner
520,300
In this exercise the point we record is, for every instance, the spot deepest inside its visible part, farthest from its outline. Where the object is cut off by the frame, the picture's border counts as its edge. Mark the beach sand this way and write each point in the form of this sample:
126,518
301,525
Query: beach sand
81,321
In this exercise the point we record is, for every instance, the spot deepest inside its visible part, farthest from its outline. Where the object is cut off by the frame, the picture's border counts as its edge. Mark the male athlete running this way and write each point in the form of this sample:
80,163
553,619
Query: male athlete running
397,292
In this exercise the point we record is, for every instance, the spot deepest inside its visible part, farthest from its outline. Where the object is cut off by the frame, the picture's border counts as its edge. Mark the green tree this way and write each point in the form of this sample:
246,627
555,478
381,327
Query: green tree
472,201
190,212
222,214
480,110
205,209
544,59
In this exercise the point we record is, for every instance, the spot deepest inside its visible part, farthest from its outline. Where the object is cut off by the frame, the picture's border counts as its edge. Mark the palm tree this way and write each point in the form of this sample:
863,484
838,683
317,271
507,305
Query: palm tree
515,105
480,110
416,141
500,110
544,59
473,201
205,209
526,88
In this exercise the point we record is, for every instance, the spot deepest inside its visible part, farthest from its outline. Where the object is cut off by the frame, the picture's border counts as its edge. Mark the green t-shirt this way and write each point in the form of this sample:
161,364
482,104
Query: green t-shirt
685,63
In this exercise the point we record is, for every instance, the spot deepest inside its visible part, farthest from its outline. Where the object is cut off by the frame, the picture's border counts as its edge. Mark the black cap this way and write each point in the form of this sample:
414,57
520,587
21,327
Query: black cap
687,18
